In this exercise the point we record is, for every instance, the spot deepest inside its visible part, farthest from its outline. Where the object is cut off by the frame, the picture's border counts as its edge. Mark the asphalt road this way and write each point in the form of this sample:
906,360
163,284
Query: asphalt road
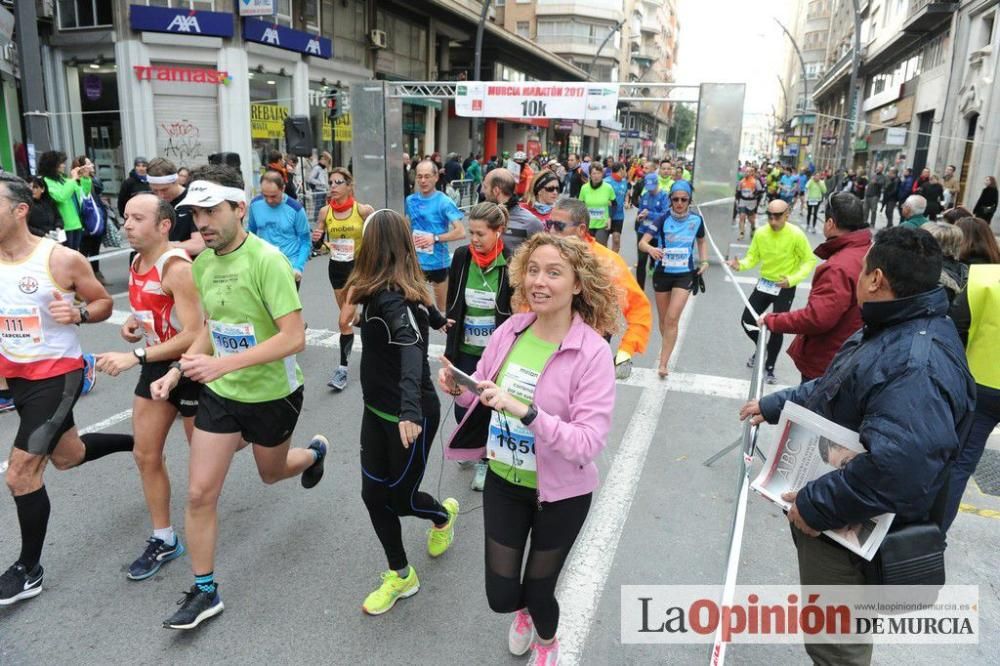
294,565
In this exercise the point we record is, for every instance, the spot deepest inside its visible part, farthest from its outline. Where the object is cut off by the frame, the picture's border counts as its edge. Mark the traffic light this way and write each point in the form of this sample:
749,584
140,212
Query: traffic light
335,105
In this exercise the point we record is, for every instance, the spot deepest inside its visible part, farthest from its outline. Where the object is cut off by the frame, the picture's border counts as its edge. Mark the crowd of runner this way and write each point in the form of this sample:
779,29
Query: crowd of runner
528,305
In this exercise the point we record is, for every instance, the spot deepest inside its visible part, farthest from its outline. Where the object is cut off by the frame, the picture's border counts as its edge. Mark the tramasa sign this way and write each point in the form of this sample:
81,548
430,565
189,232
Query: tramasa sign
181,74
278,36
181,21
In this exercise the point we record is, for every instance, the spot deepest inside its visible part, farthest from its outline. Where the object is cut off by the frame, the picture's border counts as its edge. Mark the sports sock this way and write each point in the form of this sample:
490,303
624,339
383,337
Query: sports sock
33,517
346,344
166,535
206,582
99,445
403,573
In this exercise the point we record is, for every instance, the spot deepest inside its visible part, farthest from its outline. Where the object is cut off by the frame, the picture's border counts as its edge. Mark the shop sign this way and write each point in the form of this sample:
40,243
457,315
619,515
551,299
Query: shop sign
630,134
256,7
895,136
279,36
564,126
860,145
888,113
181,74
181,21
267,121
342,128
536,99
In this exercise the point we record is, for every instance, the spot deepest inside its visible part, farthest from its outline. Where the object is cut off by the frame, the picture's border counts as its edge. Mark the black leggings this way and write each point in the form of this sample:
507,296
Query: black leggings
390,479
510,512
812,211
760,301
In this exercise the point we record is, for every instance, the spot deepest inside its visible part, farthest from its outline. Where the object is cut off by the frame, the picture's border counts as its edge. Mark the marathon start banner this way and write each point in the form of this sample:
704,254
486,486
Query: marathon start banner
536,99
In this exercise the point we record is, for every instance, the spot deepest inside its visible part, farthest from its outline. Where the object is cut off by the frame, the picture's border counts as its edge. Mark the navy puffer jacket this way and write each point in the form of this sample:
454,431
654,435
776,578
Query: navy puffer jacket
901,382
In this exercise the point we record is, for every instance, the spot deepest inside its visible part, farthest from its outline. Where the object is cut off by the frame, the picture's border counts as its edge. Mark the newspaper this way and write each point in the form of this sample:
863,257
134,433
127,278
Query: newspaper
809,447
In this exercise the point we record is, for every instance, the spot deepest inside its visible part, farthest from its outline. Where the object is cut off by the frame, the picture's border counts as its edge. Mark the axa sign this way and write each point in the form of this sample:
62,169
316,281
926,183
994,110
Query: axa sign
181,21
279,36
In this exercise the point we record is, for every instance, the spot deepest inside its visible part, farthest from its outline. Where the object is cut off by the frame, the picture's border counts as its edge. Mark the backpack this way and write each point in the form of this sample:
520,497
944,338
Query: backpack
93,216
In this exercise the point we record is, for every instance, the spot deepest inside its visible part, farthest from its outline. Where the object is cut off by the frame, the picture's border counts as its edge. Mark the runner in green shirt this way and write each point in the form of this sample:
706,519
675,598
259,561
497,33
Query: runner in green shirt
599,197
246,359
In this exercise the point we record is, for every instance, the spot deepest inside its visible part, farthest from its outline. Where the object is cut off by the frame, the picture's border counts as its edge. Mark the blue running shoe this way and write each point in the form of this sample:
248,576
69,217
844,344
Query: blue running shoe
89,373
196,607
6,405
157,554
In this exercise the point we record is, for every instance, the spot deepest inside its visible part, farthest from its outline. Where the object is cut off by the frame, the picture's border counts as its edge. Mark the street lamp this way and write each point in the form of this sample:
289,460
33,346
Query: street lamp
852,94
805,85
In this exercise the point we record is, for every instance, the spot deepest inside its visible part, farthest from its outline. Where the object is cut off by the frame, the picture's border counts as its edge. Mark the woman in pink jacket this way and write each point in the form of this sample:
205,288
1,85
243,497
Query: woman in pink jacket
546,385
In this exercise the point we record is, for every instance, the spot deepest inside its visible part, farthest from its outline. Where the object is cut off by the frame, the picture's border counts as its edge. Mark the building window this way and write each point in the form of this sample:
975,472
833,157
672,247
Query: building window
77,14
344,21
986,30
283,12
934,52
524,29
499,3
198,5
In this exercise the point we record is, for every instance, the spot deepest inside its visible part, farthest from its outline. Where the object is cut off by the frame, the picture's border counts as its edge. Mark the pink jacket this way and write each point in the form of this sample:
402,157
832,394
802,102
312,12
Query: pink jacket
575,398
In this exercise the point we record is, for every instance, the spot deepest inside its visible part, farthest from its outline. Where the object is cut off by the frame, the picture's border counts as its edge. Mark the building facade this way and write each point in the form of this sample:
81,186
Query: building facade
809,27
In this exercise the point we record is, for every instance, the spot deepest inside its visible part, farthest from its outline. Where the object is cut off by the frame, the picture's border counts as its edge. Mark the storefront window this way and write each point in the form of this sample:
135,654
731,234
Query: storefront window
102,126
270,104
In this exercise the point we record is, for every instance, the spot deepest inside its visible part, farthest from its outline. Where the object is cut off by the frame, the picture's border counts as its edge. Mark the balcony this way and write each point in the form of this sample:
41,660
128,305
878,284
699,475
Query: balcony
591,9
927,15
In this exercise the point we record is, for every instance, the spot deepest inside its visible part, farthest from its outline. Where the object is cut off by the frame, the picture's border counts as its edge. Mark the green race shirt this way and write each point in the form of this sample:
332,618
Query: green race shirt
510,446
598,203
480,306
243,293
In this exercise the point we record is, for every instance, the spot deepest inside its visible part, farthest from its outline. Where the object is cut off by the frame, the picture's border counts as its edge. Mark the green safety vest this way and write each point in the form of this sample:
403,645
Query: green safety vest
983,348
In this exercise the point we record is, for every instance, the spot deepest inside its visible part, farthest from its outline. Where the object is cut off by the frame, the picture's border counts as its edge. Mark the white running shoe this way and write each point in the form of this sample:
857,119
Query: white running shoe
521,633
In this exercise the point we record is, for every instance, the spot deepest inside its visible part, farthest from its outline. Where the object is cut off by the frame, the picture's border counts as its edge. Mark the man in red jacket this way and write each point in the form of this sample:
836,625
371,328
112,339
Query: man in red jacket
831,315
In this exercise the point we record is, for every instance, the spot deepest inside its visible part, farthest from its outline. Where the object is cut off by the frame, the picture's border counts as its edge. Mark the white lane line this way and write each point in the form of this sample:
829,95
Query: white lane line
583,580
743,279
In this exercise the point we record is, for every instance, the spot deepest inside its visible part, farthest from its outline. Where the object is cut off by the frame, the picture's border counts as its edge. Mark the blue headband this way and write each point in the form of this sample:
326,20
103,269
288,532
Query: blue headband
681,185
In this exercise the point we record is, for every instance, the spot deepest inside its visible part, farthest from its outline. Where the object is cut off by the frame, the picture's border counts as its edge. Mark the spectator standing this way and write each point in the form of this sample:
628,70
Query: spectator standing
986,205
135,183
933,192
873,192
951,187
979,245
912,211
889,193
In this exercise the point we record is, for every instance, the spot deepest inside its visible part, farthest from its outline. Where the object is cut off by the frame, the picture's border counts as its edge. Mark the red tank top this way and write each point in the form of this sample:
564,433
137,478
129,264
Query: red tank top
151,306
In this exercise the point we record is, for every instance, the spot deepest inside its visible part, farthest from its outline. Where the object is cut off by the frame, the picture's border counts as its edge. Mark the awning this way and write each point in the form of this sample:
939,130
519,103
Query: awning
420,101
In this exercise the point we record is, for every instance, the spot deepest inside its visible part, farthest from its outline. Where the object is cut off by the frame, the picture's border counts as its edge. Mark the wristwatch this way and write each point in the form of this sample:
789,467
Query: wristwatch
140,353
530,416
84,314
437,239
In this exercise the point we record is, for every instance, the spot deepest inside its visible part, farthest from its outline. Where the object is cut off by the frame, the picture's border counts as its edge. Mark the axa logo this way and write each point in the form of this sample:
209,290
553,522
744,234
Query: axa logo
313,47
183,23
271,37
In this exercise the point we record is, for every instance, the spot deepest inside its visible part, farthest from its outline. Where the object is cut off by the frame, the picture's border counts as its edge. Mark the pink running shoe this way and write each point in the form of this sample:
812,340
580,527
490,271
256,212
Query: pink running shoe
546,655
521,633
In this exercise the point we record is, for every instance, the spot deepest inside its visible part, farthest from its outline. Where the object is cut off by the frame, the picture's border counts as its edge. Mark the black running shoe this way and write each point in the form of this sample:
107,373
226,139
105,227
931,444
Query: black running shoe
196,607
18,583
312,474
157,553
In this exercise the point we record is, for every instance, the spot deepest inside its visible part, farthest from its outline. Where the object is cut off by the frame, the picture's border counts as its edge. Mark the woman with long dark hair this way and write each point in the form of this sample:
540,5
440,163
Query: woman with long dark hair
986,205
542,415
979,245
401,411
67,193
90,245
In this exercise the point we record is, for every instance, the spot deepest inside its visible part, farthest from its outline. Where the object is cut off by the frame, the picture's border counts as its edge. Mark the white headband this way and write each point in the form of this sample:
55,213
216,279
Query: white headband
205,194
162,180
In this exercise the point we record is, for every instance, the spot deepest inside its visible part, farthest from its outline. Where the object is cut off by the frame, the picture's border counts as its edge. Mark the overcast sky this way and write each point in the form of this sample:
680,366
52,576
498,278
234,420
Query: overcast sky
732,41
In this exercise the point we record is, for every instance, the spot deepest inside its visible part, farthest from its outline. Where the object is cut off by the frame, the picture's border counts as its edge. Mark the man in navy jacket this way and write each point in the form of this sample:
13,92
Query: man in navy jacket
902,382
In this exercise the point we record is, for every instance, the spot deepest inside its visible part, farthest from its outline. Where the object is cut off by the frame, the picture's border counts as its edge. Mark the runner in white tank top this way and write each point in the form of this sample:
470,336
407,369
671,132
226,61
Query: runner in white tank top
41,358
167,314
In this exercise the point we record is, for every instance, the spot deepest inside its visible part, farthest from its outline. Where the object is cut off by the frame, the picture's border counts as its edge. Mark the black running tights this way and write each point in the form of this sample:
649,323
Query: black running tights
390,481
760,301
510,513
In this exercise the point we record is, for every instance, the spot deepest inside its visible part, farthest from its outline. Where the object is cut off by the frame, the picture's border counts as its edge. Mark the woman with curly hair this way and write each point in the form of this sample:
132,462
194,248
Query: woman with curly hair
546,392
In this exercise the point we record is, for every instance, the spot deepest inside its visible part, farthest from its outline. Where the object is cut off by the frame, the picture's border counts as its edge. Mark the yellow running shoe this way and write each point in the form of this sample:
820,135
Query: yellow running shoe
440,538
392,589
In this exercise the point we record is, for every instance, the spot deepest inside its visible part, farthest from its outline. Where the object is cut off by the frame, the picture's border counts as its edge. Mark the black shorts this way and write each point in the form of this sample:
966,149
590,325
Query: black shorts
184,397
436,276
666,281
617,226
45,407
263,423
339,271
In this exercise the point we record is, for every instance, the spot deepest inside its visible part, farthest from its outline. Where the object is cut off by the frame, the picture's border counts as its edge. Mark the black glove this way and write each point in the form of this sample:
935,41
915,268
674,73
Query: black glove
697,284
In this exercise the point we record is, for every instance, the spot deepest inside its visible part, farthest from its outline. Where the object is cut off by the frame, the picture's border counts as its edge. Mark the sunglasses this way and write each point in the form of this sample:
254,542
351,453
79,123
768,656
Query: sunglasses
338,182
774,216
679,199
550,188
558,226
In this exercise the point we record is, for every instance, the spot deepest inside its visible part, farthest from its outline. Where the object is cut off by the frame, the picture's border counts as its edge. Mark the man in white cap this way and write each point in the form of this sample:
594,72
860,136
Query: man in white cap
245,357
